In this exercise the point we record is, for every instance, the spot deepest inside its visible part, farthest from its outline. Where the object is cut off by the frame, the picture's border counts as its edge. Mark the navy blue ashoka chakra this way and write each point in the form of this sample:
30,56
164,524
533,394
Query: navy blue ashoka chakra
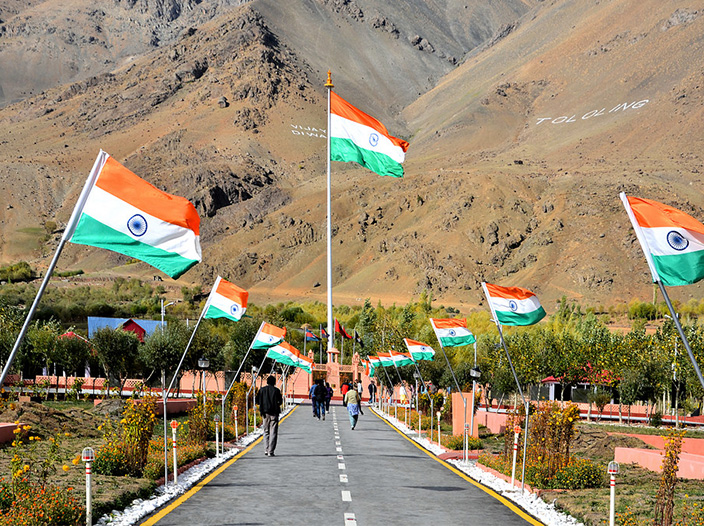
513,305
374,139
137,225
677,240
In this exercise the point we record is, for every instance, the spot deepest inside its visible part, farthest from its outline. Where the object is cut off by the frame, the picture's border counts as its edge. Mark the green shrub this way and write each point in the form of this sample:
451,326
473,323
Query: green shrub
110,460
456,442
655,419
580,473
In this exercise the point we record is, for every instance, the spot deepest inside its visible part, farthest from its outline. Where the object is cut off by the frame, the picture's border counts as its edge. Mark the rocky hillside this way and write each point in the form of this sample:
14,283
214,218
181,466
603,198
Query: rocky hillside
525,118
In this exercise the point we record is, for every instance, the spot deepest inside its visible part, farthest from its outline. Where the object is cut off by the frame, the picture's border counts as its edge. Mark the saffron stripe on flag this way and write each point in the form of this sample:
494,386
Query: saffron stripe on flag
129,187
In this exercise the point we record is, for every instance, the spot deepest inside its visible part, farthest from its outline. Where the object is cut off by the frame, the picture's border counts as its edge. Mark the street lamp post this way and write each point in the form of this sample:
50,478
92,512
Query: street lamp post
203,363
475,373
163,312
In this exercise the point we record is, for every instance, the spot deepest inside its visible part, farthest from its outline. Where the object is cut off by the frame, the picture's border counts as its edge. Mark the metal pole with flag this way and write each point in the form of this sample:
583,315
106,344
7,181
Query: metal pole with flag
234,379
165,394
329,85
514,306
672,244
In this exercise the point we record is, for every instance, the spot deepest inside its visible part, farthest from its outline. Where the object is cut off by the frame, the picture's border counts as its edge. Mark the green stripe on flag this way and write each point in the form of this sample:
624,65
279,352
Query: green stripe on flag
458,341
680,269
347,151
214,312
92,232
522,318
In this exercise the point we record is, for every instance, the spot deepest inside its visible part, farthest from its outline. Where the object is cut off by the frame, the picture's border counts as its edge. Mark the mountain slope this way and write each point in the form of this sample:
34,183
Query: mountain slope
525,120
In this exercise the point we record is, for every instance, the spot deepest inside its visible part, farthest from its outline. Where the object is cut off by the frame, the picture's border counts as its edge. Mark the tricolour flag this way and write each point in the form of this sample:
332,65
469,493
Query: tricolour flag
400,358
360,138
419,350
452,332
288,355
119,211
373,362
385,359
226,300
513,305
268,336
672,241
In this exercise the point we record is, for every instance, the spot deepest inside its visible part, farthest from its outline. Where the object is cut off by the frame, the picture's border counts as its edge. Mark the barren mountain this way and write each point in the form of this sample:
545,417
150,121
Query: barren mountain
525,118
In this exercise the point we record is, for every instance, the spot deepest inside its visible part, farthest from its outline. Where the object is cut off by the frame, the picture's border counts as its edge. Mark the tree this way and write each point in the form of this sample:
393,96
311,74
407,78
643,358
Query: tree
162,350
118,353
72,353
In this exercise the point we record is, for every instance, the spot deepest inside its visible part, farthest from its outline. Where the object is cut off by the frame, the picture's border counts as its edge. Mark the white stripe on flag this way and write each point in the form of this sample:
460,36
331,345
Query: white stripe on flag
360,135
115,213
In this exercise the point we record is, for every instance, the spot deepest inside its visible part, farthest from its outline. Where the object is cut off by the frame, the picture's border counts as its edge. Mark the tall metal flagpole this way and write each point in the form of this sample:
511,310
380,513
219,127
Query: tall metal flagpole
165,396
518,384
68,232
234,379
329,86
464,402
525,403
675,318
647,252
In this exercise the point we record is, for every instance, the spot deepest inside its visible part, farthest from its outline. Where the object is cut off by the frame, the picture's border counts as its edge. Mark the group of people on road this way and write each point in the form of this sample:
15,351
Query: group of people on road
320,395
270,400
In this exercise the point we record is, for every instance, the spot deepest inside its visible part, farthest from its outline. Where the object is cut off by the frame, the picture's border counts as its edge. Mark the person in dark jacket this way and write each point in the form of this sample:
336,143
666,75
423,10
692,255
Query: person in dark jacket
372,393
269,400
328,397
319,396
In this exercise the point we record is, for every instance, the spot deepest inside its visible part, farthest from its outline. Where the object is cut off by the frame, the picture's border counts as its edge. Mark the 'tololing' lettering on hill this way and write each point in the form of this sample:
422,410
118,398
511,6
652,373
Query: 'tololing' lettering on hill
594,113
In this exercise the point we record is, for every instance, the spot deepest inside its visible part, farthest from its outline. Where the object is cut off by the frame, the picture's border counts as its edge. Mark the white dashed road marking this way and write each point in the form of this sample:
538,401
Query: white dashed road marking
343,478
346,496
350,519
341,466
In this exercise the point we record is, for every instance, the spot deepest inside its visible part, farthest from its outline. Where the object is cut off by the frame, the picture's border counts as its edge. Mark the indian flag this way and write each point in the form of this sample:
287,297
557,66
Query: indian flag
360,138
226,300
305,363
452,332
513,305
121,212
373,362
400,358
288,355
672,241
385,359
419,350
268,336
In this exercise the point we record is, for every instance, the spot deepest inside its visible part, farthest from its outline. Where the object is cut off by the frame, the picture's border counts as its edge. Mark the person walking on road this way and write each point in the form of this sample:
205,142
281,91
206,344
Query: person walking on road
352,400
311,395
269,400
319,396
343,389
328,397
372,392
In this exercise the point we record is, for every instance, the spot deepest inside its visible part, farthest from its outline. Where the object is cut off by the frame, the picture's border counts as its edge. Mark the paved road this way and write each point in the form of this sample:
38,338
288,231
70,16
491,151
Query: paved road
326,474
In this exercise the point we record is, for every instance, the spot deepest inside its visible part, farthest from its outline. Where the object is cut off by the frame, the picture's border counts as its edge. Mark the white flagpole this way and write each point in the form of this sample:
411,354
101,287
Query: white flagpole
329,86
68,232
